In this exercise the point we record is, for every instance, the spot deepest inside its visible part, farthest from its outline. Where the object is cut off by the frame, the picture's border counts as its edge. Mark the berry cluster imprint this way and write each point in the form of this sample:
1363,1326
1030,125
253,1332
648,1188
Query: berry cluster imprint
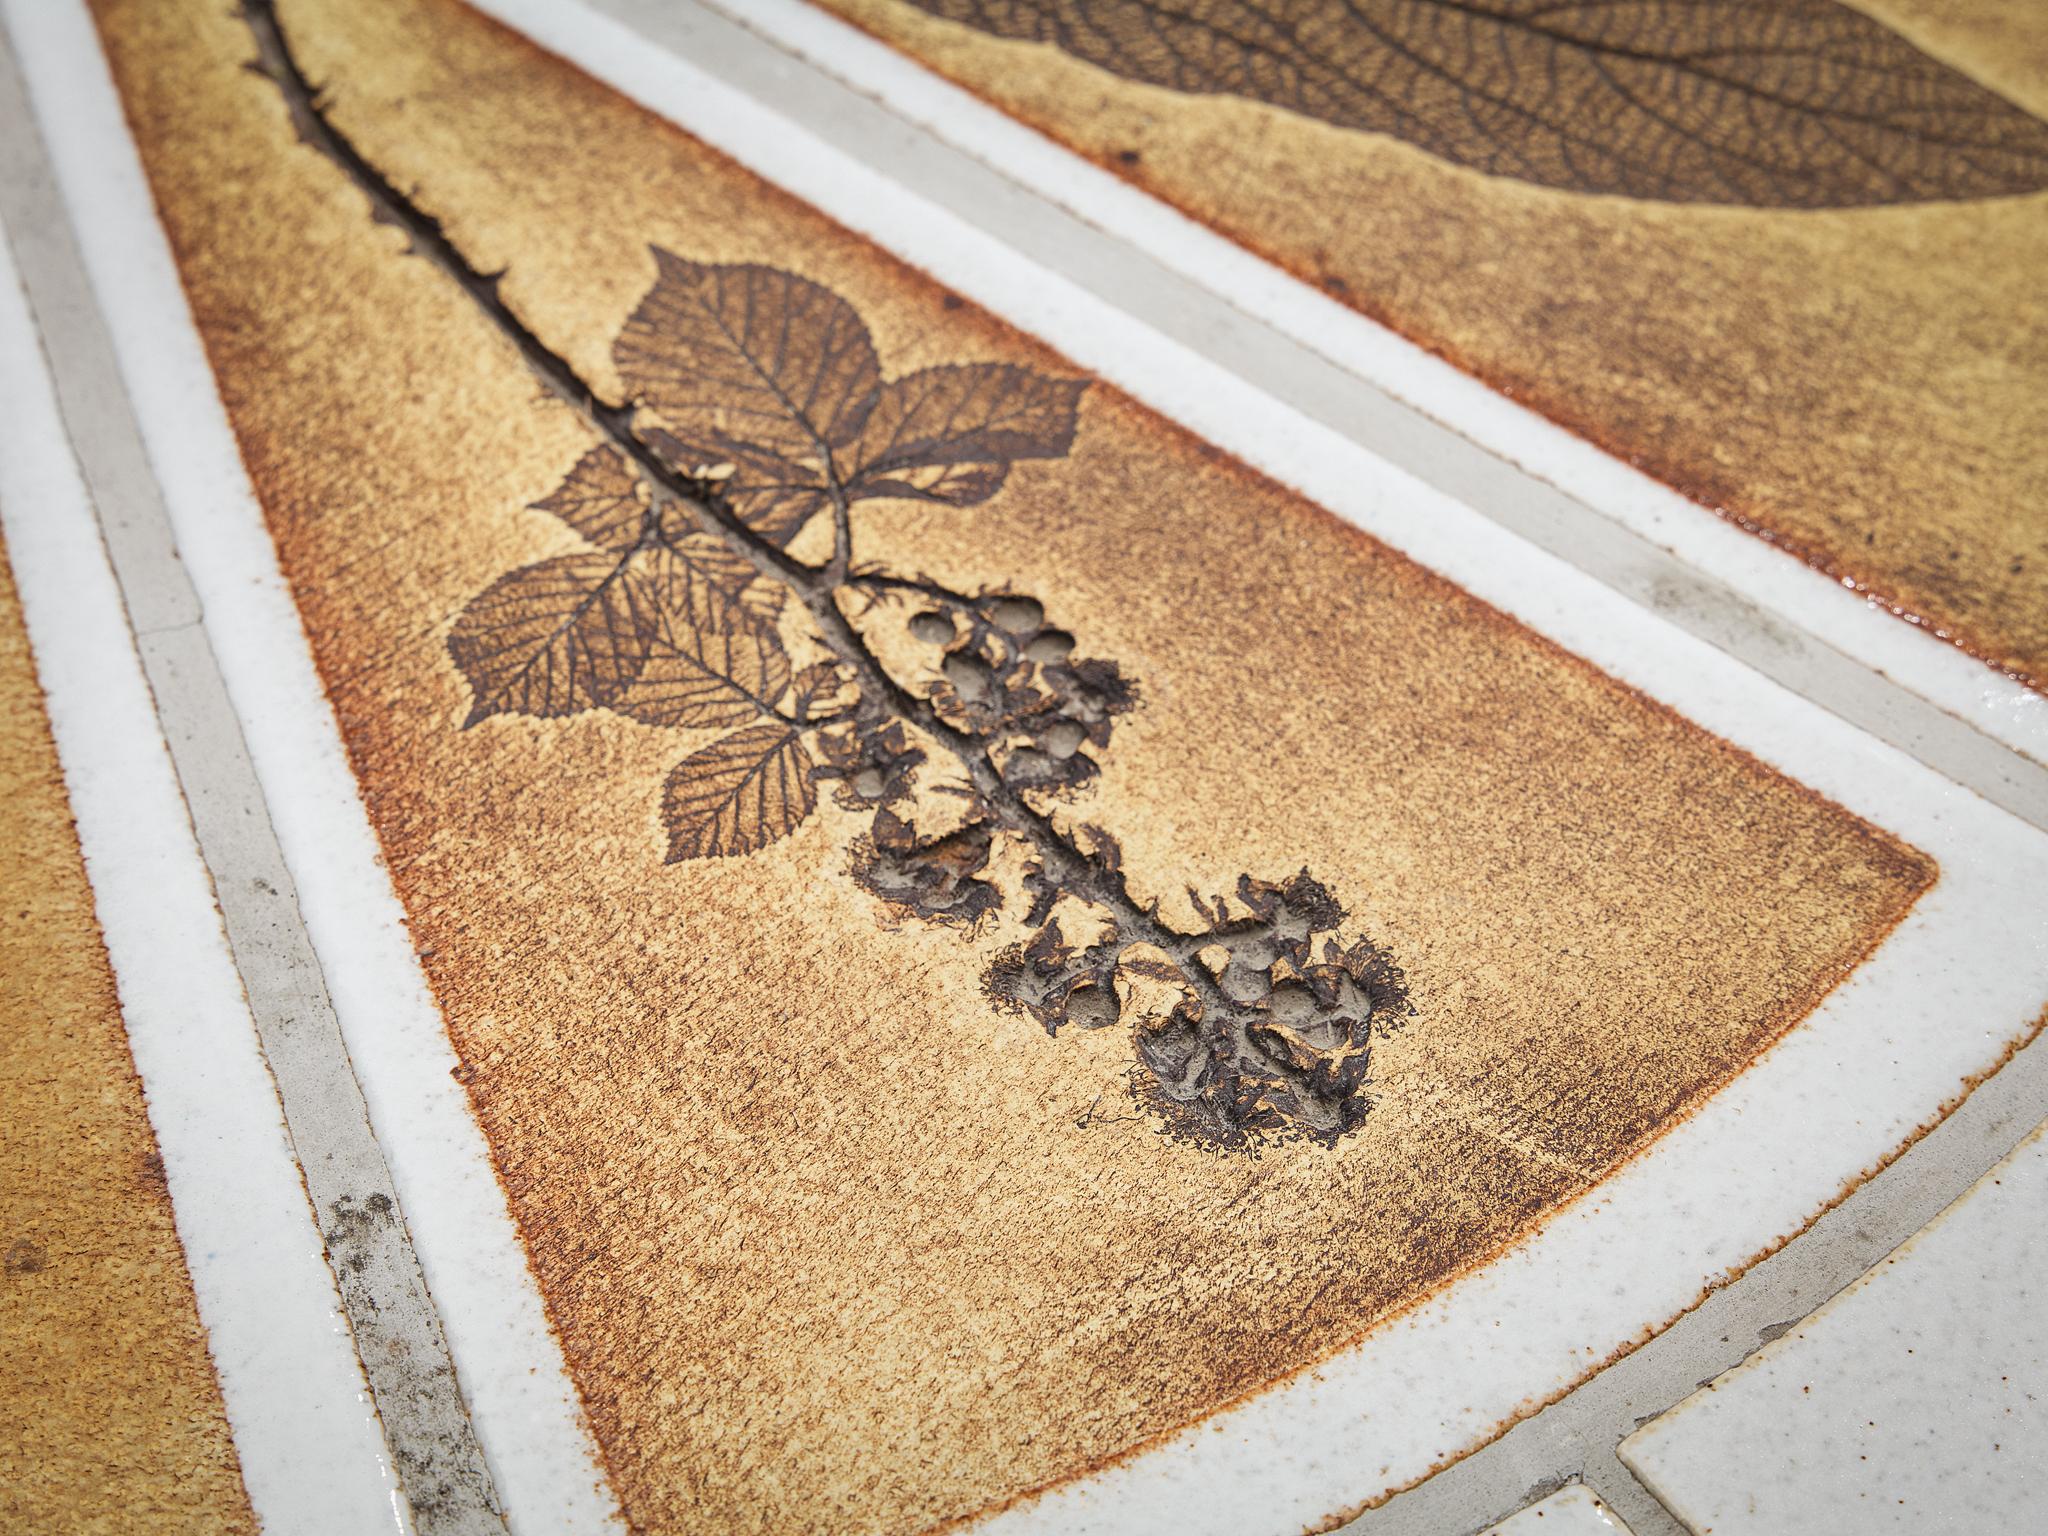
717,591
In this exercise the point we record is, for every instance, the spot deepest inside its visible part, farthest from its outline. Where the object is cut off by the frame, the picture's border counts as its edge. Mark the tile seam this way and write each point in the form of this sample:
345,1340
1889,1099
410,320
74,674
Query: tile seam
397,1332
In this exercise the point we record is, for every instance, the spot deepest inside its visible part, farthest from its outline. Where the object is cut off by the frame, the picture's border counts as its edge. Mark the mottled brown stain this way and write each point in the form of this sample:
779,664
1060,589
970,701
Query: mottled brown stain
110,1417
1865,388
830,1242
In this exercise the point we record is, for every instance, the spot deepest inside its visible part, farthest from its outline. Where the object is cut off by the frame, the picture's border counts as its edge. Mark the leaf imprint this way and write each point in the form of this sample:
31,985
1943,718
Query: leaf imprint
1764,103
739,794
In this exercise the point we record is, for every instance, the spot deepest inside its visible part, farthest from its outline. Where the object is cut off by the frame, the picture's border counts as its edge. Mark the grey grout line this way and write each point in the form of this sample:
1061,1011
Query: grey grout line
1633,1505
1178,307
138,537
397,1332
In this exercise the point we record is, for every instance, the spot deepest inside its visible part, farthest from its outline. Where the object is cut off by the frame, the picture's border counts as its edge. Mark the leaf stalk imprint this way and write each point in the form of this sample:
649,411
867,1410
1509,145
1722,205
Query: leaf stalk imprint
756,403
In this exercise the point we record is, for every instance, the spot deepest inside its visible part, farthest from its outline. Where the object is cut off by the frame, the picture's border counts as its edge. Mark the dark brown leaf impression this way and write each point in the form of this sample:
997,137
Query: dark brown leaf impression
954,722
1761,103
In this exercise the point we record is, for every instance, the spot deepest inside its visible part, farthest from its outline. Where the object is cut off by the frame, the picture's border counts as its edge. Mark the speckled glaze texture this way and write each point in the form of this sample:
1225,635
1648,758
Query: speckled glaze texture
1571,1511
1865,387
830,1241
110,1417
1911,1402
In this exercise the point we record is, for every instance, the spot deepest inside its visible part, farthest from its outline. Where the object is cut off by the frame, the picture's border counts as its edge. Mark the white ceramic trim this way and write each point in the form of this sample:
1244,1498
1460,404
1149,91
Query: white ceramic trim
1913,657
1962,977
524,1410
1571,1511
312,1452
1842,1427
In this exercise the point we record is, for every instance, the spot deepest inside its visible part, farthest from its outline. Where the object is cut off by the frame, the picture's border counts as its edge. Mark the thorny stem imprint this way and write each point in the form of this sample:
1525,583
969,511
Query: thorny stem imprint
756,402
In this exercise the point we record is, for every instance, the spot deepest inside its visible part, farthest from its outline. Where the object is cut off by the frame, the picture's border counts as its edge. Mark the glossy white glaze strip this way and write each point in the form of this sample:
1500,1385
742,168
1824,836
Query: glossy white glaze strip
312,1454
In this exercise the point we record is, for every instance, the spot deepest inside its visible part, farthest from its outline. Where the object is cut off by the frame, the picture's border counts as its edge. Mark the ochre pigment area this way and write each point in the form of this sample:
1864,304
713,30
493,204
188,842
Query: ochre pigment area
110,1417
832,1240
1865,386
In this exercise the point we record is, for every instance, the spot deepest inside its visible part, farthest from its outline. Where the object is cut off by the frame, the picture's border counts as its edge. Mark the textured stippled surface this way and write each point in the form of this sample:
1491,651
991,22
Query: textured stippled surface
110,1417
1911,1402
1867,386
832,1240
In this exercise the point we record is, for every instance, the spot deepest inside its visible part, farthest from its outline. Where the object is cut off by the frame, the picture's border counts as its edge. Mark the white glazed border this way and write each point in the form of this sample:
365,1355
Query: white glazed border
1700,1458
1911,655
1944,998
311,1450
1573,1511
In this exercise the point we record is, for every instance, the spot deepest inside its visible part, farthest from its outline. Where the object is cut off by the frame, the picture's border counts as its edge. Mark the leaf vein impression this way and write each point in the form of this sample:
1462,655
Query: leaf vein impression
1789,104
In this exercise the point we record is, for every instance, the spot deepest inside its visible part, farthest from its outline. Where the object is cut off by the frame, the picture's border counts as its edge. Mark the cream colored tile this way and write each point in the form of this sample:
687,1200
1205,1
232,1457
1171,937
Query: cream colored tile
1916,1400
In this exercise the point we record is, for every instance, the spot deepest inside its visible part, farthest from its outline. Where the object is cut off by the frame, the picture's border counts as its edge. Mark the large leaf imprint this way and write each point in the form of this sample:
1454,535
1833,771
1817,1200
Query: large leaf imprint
1766,103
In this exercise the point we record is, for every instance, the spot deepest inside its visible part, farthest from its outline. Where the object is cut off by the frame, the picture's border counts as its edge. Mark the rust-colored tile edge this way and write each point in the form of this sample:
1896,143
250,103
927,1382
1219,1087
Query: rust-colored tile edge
1721,499
110,1364
182,253
1685,1111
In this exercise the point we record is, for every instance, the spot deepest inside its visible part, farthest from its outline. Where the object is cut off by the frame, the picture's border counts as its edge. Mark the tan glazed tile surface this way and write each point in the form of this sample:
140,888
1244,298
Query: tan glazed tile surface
110,1417
1828,326
834,1234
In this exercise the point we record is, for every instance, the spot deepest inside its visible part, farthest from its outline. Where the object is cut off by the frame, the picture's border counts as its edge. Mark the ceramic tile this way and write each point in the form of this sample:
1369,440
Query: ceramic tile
698,809
1572,1511
109,1409
1913,1401
739,1103
1154,143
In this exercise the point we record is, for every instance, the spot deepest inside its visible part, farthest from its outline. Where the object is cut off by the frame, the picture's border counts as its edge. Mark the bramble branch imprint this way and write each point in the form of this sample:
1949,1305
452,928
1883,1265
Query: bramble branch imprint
955,722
